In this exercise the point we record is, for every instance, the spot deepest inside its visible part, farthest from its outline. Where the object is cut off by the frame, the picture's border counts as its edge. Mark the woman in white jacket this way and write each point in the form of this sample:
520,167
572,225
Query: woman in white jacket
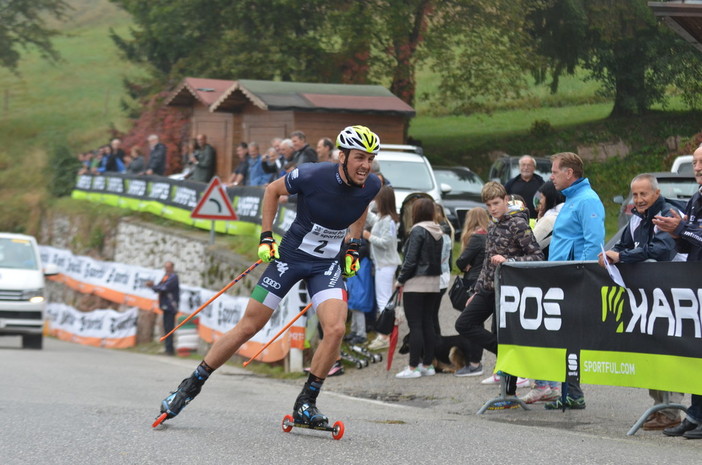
383,249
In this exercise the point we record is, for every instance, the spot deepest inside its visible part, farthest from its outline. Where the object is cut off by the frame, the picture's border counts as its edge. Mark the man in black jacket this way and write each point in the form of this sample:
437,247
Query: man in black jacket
303,152
687,232
526,183
157,156
642,241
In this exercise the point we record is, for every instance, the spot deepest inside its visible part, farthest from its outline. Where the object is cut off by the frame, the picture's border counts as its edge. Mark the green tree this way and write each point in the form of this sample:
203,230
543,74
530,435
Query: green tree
248,39
23,26
479,51
634,56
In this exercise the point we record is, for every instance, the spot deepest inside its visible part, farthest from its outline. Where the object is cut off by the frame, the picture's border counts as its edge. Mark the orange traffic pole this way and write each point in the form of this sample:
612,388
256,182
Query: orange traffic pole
212,299
302,312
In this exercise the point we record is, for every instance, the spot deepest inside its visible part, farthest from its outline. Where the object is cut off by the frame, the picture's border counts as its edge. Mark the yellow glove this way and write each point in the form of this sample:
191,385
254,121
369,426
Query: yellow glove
352,262
268,248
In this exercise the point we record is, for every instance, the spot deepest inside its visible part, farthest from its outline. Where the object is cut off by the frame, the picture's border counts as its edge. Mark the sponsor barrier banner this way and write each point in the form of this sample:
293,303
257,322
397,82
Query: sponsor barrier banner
124,284
175,200
100,328
568,321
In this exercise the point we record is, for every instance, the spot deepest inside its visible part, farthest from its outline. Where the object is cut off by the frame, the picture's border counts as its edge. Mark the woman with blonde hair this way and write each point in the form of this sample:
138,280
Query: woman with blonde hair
470,262
473,245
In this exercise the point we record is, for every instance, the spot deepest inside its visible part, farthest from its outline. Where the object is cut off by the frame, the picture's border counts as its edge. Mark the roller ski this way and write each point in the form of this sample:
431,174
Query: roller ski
306,415
357,362
172,405
373,357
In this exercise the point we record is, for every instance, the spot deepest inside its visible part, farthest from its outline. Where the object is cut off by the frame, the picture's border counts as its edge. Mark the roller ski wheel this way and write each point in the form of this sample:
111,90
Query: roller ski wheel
373,357
160,419
337,430
355,361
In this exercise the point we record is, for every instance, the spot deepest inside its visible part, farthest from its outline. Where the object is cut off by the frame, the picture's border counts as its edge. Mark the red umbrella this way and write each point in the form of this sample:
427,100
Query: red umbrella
393,335
392,346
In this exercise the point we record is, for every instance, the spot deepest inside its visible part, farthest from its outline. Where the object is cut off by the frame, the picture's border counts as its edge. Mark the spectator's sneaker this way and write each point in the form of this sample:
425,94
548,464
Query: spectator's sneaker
574,404
409,373
555,394
470,371
523,382
337,369
504,405
537,395
427,371
358,339
379,343
494,379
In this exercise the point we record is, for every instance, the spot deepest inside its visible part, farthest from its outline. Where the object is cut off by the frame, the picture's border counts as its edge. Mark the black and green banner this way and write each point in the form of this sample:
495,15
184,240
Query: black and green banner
175,199
562,321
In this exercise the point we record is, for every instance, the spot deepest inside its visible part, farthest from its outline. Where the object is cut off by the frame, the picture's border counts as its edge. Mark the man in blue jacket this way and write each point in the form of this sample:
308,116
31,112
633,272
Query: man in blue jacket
578,233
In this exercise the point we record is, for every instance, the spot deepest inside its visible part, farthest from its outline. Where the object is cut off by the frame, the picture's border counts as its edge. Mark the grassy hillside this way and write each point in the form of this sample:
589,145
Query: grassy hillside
75,103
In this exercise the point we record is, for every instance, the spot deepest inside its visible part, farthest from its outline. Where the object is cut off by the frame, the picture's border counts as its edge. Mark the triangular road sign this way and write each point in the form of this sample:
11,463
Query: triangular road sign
214,204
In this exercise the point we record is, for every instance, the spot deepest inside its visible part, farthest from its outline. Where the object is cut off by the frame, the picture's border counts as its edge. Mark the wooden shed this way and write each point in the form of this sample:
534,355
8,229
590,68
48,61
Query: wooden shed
229,112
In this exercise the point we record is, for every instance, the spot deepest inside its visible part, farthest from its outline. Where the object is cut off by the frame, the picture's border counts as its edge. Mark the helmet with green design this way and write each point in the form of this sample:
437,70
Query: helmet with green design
359,138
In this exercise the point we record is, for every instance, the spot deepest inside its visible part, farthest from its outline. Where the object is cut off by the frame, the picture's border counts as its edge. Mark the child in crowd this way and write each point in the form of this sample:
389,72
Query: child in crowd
509,238
470,262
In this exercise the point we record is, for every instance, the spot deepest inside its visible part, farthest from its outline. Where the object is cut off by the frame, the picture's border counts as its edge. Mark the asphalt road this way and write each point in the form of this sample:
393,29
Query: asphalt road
71,404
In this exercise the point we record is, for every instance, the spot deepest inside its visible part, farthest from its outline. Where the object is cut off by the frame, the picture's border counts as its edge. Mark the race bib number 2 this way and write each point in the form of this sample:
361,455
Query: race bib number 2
322,242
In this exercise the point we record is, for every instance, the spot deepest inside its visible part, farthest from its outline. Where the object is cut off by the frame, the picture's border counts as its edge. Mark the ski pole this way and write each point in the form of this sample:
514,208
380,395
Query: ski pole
302,312
224,289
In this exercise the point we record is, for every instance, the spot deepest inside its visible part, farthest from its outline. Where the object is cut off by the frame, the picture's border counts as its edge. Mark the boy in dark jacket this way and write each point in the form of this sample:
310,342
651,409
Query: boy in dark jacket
509,238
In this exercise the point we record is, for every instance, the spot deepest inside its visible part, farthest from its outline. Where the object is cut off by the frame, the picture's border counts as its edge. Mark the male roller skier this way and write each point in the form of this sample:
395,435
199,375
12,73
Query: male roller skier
332,201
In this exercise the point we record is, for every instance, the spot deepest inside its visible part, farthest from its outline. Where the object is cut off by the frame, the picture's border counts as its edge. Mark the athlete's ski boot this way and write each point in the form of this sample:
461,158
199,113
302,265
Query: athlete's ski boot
186,392
306,413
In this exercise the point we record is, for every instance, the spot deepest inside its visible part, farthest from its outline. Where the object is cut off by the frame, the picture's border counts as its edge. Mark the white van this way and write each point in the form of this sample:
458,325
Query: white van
22,300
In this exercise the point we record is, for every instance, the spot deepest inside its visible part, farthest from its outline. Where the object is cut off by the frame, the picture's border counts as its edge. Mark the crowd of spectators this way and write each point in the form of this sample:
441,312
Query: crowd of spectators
253,165
111,158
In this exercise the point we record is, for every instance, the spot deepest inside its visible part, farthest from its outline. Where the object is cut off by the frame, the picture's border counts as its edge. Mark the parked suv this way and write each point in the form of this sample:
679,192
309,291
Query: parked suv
411,175
408,170
464,194
505,168
22,300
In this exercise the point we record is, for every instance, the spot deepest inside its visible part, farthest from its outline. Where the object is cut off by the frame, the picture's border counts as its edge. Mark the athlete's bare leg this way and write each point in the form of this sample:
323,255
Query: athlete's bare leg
332,317
255,317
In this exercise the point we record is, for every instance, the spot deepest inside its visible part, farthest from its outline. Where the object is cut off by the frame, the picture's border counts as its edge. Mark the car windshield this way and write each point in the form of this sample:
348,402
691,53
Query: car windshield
17,254
686,168
461,181
677,188
408,175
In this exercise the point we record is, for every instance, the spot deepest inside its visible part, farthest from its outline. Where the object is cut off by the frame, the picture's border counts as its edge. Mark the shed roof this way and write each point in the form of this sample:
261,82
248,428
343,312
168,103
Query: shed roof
206,91
685,18
303,96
